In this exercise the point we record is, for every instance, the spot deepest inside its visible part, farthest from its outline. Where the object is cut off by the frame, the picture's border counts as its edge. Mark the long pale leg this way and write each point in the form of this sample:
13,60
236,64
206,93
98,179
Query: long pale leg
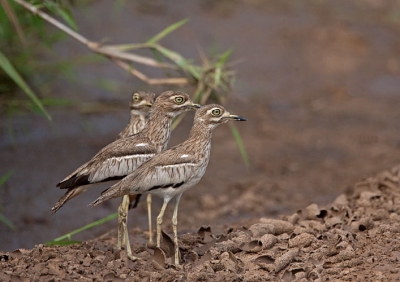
174,226
160,220
148,200
123,236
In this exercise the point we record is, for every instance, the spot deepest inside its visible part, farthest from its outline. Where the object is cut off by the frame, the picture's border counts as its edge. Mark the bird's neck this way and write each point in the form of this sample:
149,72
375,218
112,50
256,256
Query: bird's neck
138,117
200,131
158,129
200,137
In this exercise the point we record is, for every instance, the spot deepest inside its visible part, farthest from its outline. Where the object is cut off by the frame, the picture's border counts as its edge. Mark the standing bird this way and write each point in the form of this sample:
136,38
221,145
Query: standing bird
176,170
140,109
124,155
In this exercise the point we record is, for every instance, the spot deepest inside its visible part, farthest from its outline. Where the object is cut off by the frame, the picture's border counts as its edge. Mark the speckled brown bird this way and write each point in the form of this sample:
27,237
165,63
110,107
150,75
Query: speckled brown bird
139,112
124,155
140,105
176,170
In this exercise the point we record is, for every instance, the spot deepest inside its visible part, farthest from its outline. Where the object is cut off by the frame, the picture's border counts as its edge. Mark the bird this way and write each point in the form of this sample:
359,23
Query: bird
139,112
140,109
124,155
175,170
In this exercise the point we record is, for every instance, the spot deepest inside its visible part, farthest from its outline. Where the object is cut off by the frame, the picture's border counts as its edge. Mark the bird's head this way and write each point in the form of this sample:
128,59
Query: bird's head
213,115
174,103
142,101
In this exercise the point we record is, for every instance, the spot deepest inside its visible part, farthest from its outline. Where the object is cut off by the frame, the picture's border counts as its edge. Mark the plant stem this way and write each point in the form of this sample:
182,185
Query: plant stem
90,225
108,51
54,22
14,20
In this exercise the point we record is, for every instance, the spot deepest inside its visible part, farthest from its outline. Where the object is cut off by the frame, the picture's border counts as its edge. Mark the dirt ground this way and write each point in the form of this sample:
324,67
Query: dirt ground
355,238
320,88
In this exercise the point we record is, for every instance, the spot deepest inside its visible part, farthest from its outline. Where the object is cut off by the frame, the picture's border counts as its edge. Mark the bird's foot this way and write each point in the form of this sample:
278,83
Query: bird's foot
151,245
177,267
132,257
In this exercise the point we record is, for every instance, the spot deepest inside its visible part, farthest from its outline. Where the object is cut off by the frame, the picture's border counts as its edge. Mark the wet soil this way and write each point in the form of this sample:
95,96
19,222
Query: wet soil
319,86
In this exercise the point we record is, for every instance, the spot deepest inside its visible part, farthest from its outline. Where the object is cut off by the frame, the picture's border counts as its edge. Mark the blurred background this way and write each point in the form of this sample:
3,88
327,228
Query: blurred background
318,80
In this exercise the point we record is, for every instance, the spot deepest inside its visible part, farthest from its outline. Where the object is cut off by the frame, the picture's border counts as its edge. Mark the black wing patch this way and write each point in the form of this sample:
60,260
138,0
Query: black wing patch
178,184
167,186
82,180
74,181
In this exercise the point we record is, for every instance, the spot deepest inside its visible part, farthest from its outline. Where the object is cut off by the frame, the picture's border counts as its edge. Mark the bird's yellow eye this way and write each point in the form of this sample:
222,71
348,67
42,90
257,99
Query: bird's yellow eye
136,98
179,100
216,112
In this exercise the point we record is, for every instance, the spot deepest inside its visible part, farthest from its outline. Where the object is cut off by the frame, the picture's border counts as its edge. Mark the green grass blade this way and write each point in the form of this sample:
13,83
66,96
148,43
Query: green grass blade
7,222
66,239
195,71
63,12
180,61
177,121
8,68
65,242
5,177
54,102
173,56
224,57
217,76
167,31
239,141
4,219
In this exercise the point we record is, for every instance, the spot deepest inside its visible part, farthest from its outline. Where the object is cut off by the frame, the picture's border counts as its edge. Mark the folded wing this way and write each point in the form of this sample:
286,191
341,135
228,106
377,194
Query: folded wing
166,170
113,162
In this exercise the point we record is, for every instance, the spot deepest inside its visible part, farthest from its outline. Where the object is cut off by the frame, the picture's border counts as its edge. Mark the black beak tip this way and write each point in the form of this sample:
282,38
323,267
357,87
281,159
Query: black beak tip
240,118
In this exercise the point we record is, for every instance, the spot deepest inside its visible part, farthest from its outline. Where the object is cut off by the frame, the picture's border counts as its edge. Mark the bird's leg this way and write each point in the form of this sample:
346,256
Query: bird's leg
122,218
148,200
123,236
159,222
174,226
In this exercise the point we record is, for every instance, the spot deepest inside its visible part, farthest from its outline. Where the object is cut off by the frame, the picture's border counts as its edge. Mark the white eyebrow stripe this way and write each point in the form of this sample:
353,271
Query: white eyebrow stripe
141,144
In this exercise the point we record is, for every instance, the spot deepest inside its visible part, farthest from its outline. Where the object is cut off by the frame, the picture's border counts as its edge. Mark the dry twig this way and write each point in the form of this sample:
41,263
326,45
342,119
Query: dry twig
113,52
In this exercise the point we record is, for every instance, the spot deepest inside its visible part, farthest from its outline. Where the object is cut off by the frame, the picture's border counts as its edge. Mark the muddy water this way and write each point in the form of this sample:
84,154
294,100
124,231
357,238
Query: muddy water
319,84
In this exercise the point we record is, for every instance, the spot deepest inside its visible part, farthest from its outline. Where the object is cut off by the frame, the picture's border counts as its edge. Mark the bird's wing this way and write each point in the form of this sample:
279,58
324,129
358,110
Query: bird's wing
114,161
172,172
167,169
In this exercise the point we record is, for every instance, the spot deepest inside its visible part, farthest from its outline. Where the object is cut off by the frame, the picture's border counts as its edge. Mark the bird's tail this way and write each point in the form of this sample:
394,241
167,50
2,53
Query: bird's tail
112,192
71,193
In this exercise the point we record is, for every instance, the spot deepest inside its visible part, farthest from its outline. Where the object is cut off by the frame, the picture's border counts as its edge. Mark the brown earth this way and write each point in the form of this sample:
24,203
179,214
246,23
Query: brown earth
320,87
355,238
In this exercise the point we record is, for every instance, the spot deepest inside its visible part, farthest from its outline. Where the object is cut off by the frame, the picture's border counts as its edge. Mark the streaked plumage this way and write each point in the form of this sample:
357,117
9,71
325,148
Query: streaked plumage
124,155
176,170
113,162
139,112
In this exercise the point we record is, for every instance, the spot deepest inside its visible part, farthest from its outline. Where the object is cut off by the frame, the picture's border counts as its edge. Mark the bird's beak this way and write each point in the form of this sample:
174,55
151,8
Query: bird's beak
148,104
238,118
196,106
